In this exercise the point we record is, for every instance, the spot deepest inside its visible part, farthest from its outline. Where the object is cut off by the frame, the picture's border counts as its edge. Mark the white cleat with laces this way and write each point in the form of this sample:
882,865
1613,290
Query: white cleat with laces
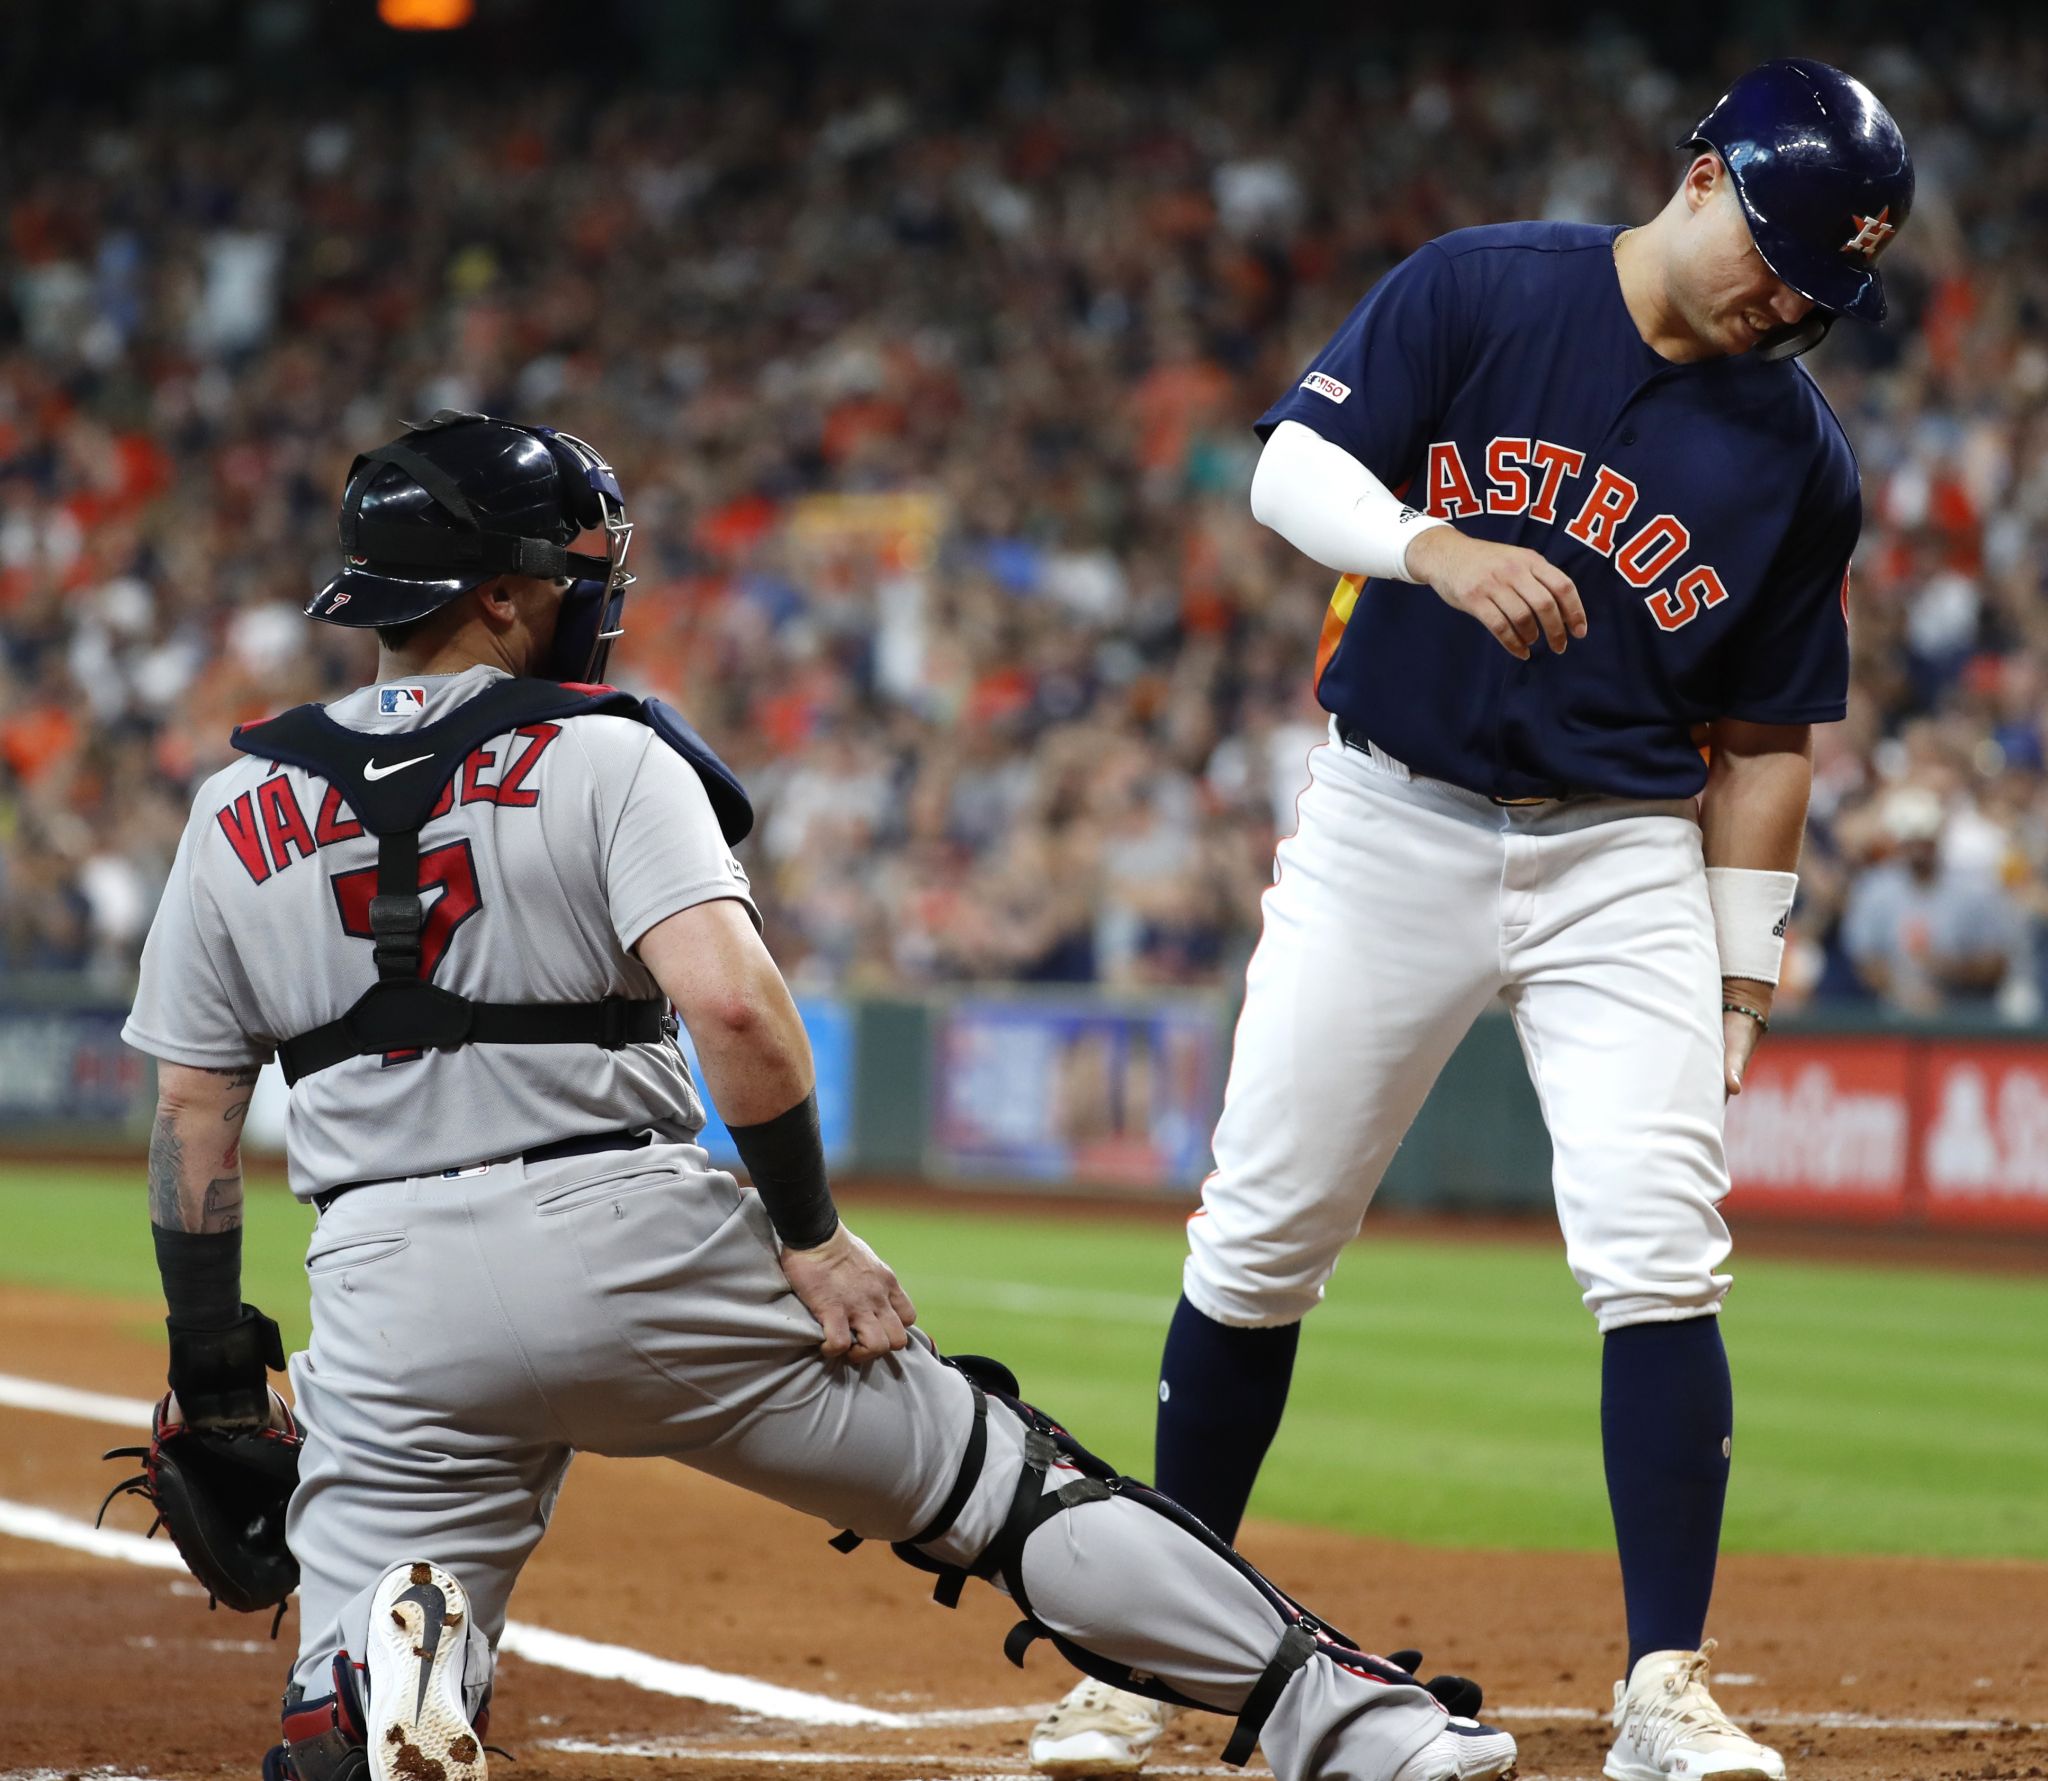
1464,1750
1098,1730
1669,1728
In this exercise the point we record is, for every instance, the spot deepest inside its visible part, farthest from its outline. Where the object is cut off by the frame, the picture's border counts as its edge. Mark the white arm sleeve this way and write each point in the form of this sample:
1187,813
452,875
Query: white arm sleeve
1329,506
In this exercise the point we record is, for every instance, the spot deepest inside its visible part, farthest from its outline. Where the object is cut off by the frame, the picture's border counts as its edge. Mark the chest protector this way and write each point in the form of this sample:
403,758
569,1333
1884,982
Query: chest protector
402,1011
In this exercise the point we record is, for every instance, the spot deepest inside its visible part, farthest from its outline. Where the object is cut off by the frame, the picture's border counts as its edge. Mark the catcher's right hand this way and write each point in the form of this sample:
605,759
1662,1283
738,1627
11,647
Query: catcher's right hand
860,1305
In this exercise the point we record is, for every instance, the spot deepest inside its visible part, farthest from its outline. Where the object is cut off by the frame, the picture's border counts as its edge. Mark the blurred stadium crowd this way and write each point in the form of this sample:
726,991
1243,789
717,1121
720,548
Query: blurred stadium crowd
935,424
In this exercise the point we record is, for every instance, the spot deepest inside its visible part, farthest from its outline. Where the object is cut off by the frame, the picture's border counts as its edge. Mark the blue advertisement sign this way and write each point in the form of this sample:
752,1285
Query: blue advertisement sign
68,1065
830,1026
1049,1090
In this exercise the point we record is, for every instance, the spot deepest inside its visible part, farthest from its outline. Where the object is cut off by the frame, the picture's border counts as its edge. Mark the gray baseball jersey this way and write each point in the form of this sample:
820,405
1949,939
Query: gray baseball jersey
478,1318
555,848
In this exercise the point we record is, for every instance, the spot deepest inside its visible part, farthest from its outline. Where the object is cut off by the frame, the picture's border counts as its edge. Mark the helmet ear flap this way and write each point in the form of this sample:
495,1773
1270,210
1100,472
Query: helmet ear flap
579,474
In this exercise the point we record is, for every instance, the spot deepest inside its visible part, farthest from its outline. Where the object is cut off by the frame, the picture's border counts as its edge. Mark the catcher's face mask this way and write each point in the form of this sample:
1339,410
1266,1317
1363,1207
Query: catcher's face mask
593,610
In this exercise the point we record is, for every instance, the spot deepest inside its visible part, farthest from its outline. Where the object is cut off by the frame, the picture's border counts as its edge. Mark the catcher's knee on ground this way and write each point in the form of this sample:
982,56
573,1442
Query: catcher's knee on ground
1127,1585
325,1723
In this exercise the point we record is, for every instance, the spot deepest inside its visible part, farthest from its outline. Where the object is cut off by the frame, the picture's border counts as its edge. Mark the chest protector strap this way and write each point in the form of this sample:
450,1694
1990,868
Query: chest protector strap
401,1011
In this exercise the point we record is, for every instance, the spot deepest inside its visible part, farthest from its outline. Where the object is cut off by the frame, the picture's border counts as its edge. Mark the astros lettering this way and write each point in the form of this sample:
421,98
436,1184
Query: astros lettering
1524,476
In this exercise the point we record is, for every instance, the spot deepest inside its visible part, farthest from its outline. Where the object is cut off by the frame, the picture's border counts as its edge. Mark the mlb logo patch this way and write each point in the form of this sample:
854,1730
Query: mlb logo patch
392,701
1325,385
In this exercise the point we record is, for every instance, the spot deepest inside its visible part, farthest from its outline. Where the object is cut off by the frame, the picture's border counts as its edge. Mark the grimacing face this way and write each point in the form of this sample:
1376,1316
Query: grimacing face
1718,280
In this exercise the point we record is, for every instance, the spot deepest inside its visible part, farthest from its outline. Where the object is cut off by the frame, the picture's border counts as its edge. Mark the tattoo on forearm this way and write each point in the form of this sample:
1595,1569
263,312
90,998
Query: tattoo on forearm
242,1077
221,1210
166,1173
216,1204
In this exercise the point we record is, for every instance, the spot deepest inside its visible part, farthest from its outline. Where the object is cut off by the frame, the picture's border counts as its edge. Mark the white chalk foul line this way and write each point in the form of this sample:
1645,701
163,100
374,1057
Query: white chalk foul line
27,1522
18,1393
536,1644
690,1682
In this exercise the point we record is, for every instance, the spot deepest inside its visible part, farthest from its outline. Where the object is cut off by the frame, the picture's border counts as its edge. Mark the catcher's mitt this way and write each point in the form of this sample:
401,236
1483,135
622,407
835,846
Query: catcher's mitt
223,1496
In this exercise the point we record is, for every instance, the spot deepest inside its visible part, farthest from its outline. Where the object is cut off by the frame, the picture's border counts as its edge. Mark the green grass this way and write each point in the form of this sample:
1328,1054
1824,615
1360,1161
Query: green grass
1447,1391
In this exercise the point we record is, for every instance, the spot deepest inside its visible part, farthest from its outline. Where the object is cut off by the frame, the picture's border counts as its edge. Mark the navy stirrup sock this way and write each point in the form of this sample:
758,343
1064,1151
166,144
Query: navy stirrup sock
1667,1412
1221,1392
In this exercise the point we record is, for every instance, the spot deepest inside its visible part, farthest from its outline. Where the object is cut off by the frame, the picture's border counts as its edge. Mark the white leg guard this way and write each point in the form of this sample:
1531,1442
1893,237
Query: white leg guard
1114,1578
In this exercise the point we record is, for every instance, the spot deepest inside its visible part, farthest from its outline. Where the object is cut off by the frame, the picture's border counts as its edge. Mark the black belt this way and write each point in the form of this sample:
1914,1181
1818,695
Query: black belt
1357,739
540,1153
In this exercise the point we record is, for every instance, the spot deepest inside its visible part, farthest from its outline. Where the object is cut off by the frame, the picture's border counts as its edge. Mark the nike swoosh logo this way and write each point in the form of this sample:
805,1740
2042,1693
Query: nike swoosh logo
433,1610
374,772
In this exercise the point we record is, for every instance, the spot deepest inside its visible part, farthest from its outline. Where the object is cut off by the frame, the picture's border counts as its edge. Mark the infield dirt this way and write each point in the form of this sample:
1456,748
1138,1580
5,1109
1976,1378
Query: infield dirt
105,1666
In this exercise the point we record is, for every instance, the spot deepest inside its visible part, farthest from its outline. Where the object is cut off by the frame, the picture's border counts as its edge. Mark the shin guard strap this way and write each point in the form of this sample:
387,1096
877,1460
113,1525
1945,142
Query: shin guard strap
1031,1507
1297,1646
965,1480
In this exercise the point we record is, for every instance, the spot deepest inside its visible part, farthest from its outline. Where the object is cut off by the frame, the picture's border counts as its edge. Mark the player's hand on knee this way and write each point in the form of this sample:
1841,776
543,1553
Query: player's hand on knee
855,1296
1519,595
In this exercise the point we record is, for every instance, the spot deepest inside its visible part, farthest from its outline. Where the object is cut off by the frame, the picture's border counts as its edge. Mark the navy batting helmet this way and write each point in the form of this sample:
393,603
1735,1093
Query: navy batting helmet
462,498
1824,179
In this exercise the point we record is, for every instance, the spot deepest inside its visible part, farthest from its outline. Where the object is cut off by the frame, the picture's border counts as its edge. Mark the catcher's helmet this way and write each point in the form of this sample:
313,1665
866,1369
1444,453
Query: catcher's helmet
1824,178
463,497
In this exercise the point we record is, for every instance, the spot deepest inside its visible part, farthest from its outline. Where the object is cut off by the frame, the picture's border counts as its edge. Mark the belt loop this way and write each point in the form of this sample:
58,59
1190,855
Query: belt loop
1386,762
1360,743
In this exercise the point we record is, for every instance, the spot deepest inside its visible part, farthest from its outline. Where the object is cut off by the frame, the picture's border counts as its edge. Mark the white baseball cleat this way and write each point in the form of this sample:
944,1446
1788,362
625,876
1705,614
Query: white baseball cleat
1098,1730
1464,1750
419,1631
1667,1725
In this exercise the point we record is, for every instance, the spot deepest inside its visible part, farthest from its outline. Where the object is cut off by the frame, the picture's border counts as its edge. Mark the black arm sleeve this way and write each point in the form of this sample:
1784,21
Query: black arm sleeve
785,1156
202,1276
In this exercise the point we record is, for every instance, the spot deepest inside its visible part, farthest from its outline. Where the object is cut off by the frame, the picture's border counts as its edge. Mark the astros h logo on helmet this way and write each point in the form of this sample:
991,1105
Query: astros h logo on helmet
1873,234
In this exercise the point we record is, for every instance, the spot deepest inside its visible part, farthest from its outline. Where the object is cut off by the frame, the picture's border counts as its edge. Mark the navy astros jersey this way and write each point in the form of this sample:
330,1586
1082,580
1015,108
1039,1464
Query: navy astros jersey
1706,513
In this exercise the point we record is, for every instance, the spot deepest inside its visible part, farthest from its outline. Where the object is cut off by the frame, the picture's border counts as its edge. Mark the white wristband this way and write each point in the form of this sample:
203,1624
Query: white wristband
1329,506
1750,912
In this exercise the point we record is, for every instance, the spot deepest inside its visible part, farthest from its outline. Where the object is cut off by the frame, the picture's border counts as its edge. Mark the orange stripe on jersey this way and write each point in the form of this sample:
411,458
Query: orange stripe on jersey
1342,604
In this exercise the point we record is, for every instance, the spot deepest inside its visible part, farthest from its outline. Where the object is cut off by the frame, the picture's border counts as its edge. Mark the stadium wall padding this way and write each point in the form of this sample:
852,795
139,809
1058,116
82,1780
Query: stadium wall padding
1847,1120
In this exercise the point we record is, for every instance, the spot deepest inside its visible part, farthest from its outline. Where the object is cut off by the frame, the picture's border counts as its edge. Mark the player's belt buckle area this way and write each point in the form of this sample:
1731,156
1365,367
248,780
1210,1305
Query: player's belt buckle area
587,1145
1358,741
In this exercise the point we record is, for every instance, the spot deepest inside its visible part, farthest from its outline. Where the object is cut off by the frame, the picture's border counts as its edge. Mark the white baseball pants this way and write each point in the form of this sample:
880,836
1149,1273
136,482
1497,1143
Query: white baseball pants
1402,907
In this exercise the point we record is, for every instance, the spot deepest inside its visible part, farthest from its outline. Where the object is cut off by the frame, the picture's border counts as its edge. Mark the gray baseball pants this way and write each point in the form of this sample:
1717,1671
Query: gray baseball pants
471,1332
